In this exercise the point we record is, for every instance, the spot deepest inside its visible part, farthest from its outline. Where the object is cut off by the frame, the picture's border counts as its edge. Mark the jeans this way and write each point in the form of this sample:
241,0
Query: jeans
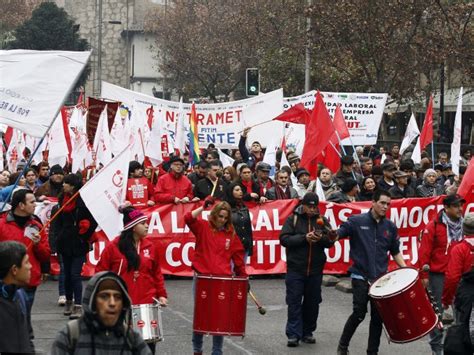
61,288
360,299
436,284
217,340
303,296
30,299
72,277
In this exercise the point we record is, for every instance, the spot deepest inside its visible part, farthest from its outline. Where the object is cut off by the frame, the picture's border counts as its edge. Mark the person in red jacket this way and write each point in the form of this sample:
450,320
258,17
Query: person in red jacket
174,187
139,188
135,258
439,237
21,225
217,245
461,261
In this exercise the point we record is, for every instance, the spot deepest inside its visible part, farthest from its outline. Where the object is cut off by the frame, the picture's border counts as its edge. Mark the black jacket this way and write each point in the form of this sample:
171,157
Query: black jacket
203,188
397,193
426,190
15,328
243,227
67,227
301,256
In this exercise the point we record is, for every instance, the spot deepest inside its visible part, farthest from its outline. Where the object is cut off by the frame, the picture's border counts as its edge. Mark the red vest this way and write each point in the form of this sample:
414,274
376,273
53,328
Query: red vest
137,191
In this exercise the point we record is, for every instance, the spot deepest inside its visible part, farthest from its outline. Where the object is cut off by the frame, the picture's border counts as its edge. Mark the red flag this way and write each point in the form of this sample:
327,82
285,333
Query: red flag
340,124
330,157
66,131
426,136
8,135
467,184
295,114
319,131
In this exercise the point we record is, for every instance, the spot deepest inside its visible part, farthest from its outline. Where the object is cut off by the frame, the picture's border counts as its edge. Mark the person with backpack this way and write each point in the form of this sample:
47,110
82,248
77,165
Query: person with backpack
102,328
305,235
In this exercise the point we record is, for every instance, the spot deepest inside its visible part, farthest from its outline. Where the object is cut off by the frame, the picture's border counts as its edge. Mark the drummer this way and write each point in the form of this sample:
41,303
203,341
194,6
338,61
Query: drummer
370,260
135,259
216,246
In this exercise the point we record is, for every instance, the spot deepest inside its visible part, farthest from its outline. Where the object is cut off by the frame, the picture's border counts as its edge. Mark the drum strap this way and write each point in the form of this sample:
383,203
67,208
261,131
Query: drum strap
471,324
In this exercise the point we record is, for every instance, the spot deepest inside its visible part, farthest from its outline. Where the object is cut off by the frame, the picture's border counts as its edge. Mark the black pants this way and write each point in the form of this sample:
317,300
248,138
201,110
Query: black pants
360,299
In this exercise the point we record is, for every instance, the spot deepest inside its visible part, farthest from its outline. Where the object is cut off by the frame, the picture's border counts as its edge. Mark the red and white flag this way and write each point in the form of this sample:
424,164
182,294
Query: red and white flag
105,192
153,147
15,150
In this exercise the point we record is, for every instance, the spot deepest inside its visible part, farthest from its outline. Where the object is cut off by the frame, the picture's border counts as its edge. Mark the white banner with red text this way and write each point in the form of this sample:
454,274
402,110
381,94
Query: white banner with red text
176,243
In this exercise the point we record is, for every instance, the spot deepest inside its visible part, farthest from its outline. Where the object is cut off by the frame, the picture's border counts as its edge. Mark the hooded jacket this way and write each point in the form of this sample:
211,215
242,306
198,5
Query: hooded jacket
15,328
94,337
301,256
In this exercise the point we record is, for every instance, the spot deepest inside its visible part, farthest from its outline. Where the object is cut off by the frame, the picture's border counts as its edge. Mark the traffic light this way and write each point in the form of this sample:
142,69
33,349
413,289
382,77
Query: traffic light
252,82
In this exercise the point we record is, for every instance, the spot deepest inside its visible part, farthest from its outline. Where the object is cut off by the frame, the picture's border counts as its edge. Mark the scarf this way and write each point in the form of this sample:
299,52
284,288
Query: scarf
454,228
69,208
280,194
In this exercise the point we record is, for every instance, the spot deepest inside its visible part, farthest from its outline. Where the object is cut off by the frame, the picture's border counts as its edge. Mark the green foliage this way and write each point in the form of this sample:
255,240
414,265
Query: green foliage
51,28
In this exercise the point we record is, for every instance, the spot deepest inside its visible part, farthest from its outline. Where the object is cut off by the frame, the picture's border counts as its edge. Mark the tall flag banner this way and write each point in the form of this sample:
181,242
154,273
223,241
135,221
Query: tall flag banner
153,146
340,124
456,145
34,85
410,134
466,188
193,137
416,156
181,128
225,159
102,145
105,192
426,136
318,133
57,143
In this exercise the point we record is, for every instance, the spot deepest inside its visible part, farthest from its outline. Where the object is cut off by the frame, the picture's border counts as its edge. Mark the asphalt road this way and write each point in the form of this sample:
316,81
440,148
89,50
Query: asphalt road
264,334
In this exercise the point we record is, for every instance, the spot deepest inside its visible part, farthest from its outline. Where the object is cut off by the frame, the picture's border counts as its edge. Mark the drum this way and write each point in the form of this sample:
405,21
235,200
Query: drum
146,320
403,305
220,305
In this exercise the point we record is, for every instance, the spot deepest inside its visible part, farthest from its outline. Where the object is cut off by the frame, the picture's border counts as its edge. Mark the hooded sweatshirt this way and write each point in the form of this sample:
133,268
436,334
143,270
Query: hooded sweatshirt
94,337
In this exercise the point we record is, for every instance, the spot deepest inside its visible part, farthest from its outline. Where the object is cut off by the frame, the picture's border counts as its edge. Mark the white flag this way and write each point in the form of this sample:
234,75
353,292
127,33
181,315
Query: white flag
416,156
319,190
105,192
181,131
410,134
80,151
153,147
225,159
102,146
15,150
456,145
34,85
270,153
57,143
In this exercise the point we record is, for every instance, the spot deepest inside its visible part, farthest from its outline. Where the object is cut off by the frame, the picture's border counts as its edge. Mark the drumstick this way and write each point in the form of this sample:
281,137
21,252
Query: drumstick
260,308
120,267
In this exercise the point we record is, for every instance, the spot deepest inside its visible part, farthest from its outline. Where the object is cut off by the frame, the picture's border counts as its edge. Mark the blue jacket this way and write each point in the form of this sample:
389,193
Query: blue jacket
370,241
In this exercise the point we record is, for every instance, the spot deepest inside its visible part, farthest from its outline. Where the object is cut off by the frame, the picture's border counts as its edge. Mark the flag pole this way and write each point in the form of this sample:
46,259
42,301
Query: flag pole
48,222
432,153
28,163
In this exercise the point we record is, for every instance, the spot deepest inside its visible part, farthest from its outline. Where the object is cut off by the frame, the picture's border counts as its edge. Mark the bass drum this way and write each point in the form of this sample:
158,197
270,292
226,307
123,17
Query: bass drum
403,305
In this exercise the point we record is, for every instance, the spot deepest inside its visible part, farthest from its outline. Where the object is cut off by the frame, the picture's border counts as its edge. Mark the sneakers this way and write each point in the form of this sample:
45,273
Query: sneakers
293,342
68,306
76,312
308,339
62,301
342,350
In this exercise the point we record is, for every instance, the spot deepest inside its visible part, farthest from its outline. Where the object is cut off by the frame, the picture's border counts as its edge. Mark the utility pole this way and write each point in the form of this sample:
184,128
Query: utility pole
307,63
99,52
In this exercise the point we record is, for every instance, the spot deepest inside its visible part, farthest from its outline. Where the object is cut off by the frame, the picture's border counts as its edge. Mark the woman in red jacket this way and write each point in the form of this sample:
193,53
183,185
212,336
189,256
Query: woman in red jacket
217,245
135,259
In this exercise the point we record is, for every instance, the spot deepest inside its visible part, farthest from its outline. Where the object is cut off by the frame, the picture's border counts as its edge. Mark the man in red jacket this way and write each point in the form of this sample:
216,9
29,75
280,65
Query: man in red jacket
461,260
174,187
21,225
437,241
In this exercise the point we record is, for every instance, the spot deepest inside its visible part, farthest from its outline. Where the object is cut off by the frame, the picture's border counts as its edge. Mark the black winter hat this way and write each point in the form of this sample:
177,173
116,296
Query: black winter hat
56,169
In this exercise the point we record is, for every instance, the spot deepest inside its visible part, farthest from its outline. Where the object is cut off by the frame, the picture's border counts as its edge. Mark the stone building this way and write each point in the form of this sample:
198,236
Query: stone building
116,28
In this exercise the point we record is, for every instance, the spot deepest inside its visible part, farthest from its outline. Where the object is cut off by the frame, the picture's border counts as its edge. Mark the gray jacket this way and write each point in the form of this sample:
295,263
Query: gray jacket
271,195
95,338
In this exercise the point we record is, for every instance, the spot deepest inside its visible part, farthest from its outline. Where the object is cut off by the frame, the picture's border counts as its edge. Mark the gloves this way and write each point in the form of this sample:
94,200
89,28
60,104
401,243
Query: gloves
84,225
208,201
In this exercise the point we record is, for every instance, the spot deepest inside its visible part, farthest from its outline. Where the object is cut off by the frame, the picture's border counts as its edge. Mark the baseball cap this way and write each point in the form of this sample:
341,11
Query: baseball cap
310,198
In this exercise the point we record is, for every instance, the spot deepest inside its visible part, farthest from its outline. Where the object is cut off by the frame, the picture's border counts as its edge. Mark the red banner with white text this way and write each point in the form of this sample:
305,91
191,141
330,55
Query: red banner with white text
176,243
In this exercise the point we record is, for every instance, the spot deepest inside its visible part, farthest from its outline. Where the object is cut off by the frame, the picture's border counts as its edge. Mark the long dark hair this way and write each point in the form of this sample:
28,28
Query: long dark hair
127,248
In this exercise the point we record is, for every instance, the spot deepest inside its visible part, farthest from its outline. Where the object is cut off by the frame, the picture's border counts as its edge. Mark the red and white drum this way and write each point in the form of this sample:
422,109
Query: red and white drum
220,305
403,305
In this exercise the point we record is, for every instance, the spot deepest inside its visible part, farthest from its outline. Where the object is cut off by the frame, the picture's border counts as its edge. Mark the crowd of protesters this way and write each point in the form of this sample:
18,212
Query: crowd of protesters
176,181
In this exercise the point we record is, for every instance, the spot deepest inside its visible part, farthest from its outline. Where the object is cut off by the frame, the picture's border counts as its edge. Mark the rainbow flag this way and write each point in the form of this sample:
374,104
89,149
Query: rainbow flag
193,137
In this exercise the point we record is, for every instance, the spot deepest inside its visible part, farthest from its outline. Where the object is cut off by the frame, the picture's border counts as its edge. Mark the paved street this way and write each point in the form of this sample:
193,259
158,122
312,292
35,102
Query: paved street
265,334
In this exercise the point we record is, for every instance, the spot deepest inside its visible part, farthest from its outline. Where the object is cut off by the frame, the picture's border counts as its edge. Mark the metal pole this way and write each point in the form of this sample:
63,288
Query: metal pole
127,45
99,52
307,64
441,127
